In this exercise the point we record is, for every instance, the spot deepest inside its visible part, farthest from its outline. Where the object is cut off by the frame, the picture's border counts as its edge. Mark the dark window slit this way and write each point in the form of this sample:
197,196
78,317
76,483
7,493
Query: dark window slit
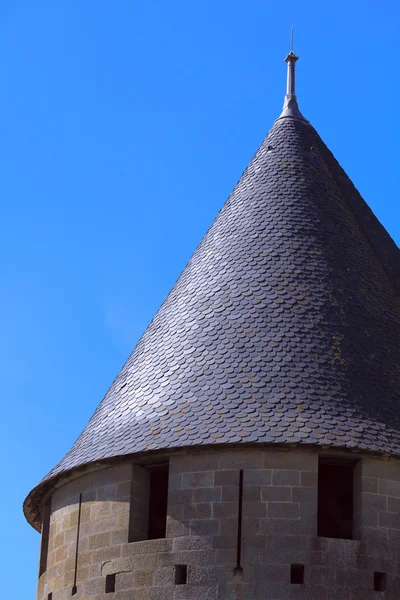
238,568
110,583
50,596
78,527
44,545
335,498
297,574
379,581
158,502
180,574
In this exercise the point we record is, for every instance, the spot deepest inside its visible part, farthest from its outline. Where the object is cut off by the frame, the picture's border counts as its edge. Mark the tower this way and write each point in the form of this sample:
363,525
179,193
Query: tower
249,447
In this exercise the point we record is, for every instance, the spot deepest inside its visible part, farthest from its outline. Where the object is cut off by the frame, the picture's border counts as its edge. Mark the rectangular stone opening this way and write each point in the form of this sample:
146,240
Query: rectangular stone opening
44,544
110,583
379,581
148,504
297,574
180,574
158,502
336,497
50,596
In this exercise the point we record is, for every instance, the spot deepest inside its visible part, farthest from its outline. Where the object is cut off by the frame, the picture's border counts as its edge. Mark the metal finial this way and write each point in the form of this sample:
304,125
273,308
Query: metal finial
290,108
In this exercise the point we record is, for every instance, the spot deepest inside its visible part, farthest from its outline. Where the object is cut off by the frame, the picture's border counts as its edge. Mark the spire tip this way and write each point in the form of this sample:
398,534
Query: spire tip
290,108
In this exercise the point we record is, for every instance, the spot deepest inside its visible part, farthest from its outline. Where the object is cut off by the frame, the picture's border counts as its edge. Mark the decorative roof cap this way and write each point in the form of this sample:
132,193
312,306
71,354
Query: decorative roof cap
290,107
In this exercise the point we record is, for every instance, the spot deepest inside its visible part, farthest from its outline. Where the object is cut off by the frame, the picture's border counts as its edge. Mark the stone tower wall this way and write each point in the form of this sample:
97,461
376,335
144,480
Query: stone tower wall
279,529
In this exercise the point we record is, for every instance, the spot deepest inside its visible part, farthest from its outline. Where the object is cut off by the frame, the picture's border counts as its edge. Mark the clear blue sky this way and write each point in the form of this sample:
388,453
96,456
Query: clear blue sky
124,125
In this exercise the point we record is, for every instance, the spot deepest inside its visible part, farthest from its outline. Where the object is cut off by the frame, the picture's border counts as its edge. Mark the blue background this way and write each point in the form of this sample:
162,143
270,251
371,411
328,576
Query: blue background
124,125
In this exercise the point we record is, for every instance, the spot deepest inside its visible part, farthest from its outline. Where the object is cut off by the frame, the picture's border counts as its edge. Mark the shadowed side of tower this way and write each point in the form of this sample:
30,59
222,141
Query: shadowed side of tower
249,446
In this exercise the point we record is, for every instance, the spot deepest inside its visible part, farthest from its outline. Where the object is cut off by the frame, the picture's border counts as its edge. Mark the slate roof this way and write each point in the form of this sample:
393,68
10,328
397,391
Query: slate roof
283,327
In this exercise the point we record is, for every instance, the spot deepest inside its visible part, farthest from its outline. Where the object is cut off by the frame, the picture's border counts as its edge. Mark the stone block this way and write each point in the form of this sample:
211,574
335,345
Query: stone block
229,526
213,494
352,579
205,575
188,557
276,526
283,510
242,459
201,510
273,573
291,459
390,520
177,528
225,510
283,478
369,484
374,539
164,576
145,561
381,468
149,546
252,493
174,481
230,493
250,528
225,557
195,592
207,461
230,478
371,505
92,587
99,540
107,553
199,479
144,577
106,493
258,477
315,575
224,542
276,494
100,510
82,575
125,581
192,543
254,509
393,505
118,565
305,495
182,497
204,527
181,463
124,490
308,479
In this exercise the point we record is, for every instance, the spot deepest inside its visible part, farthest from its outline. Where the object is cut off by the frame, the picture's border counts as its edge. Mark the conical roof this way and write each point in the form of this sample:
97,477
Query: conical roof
283,327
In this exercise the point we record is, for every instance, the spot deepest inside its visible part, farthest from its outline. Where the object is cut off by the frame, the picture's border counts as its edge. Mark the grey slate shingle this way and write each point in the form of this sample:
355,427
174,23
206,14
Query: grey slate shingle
283,327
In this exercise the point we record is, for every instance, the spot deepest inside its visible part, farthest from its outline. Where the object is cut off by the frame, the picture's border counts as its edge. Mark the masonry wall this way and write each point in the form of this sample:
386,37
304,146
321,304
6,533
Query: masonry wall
279,528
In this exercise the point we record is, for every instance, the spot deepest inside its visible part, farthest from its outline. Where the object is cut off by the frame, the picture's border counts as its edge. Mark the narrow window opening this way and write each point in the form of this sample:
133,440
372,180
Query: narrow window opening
297,574
335,498
78,529
50,596
379,581
110,583
158,502
239,531
44,545
180,574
